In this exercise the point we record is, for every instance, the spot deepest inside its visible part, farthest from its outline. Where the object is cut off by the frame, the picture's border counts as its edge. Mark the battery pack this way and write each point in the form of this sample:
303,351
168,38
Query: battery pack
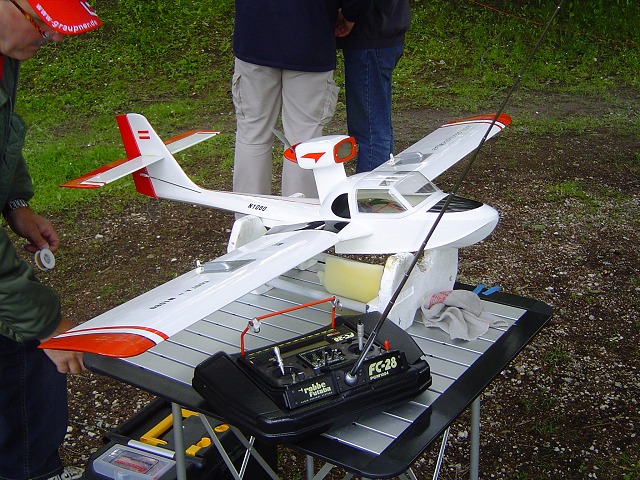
122,462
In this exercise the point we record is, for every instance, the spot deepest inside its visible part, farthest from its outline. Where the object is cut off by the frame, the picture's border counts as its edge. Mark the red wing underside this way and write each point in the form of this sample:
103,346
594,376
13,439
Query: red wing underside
116,342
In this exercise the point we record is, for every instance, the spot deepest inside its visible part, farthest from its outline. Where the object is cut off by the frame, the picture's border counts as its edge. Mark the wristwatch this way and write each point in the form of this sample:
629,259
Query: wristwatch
13,204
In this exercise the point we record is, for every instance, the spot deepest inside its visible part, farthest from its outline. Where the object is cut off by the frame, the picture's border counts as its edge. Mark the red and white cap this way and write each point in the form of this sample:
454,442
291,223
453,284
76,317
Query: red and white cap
69,17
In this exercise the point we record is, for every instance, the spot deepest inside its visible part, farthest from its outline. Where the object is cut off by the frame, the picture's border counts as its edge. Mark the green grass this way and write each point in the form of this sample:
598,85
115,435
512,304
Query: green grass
556,357
172,62
546,427
616,118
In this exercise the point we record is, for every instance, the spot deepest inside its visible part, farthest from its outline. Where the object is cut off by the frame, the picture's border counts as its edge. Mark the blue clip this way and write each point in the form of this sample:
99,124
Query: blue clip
491,290
479,290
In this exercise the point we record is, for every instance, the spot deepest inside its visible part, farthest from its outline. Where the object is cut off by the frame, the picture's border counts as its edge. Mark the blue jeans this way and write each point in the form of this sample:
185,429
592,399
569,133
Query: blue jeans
367,74
33,412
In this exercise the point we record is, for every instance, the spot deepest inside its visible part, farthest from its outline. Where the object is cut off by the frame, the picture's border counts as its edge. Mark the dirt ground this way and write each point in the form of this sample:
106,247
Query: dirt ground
567,407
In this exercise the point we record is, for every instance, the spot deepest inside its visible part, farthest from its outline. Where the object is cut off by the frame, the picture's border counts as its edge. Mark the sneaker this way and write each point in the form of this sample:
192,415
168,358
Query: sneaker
69,473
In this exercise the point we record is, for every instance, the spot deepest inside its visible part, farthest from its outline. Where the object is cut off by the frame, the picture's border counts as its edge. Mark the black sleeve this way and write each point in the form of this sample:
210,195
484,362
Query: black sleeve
354,10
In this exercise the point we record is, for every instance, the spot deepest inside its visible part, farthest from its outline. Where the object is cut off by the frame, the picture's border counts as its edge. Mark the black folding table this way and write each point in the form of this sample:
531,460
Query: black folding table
382,445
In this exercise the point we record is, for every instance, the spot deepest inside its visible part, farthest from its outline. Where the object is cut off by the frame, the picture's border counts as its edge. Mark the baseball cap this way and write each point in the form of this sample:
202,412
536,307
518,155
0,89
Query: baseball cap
69,17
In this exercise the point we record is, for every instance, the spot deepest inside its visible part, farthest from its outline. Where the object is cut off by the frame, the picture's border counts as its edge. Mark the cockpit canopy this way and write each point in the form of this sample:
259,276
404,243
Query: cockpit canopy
392,191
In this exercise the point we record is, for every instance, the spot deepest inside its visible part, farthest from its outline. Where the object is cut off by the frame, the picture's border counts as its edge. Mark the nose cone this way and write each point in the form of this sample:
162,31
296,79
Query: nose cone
465,222
461,227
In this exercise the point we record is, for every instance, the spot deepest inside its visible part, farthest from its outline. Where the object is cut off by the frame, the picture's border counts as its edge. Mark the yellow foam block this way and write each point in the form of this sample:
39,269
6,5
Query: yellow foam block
355,280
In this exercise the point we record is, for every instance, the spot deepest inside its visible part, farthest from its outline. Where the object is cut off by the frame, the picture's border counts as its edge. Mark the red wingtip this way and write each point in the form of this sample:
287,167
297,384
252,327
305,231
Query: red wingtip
503,118
77,182
119,345
187,134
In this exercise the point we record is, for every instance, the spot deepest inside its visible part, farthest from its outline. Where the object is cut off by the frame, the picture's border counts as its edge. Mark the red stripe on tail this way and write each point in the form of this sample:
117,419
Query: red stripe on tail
141,177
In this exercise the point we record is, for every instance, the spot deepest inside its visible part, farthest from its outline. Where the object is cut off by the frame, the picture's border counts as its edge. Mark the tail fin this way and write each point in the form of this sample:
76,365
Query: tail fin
149,159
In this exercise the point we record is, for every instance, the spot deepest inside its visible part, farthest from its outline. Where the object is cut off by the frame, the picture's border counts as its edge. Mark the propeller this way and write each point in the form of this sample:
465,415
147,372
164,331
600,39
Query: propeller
280,136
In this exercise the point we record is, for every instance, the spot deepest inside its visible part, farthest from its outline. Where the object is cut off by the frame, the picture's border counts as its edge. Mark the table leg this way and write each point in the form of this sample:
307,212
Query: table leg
247,444
474,462
178,439
322,473
310,468
443,447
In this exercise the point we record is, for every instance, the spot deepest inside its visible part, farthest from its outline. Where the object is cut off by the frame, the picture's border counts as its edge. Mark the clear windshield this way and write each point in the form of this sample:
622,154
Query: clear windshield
392,192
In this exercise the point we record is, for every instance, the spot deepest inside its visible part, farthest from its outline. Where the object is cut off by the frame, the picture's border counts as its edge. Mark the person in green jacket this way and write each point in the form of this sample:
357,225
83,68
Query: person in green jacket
33,392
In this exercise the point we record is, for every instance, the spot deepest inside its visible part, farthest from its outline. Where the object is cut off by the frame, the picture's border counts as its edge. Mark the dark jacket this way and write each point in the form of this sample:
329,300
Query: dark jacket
14,177
291,34
28,309
383,27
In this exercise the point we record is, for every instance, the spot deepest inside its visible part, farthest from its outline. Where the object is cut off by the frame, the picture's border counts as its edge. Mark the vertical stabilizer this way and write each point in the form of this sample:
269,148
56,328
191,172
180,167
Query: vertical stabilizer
158,179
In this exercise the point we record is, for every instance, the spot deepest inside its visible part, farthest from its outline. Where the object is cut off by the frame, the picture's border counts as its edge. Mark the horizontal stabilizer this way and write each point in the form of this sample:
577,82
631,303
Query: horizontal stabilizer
124,167
112,171
189,139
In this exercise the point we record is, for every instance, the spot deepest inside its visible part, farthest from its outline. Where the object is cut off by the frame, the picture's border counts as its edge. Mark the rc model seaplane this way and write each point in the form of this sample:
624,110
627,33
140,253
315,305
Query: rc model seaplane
385,211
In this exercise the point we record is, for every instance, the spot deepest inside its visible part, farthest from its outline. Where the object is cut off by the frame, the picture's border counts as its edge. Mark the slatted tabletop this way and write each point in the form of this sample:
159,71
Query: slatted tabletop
380,445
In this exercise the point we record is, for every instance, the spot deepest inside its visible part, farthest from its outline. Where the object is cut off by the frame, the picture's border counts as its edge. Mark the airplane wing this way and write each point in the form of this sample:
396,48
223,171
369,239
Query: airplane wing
137,325
447,145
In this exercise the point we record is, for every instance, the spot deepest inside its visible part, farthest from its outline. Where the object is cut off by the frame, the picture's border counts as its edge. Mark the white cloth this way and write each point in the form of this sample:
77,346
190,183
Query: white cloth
459,313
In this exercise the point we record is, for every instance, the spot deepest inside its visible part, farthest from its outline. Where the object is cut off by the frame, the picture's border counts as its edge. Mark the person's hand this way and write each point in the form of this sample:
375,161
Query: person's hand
343,26
35,228
66,361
